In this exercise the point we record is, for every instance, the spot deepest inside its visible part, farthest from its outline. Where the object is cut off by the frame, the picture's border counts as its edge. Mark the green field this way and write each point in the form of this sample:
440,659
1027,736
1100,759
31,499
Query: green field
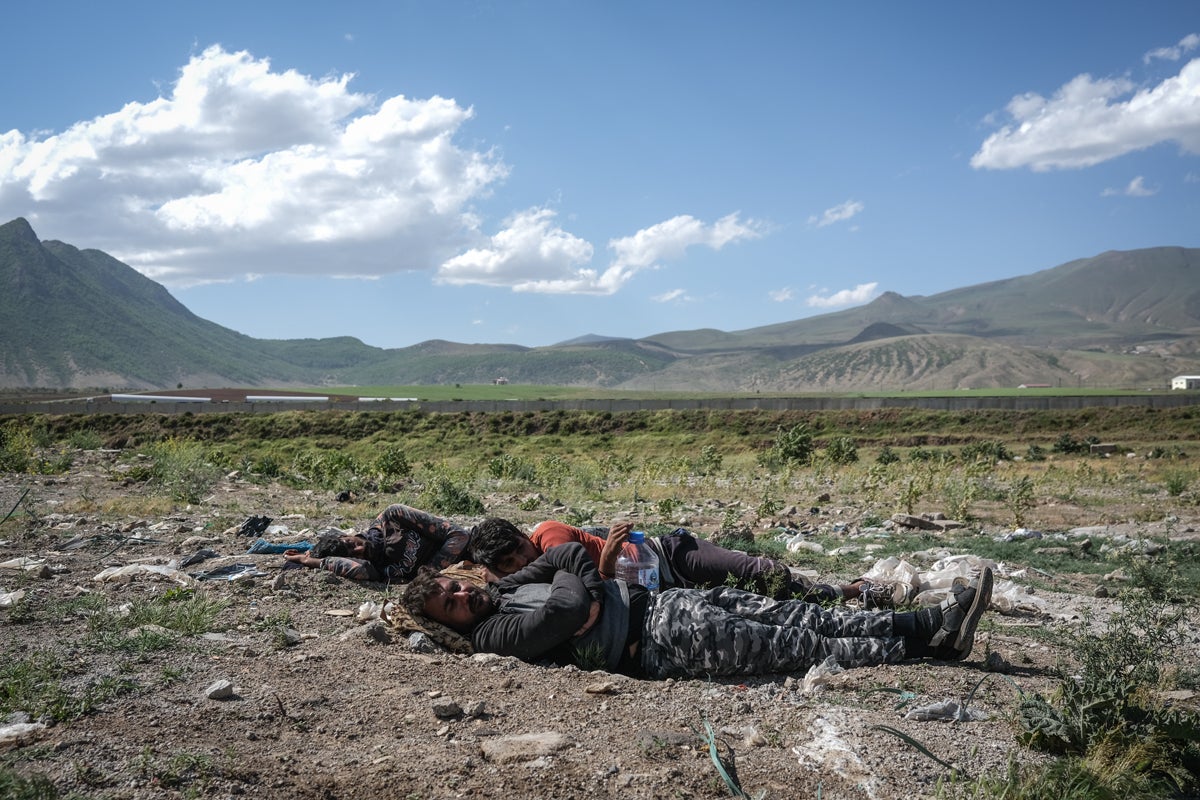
467,391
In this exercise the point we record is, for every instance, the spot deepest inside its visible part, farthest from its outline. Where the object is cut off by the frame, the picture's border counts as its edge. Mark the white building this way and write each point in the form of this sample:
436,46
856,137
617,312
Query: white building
1185,382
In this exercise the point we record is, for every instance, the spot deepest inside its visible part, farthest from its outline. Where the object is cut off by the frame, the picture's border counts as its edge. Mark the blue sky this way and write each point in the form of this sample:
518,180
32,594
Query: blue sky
530,172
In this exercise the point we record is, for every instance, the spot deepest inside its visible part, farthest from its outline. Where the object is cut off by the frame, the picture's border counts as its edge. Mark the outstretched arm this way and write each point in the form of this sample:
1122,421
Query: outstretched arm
355,569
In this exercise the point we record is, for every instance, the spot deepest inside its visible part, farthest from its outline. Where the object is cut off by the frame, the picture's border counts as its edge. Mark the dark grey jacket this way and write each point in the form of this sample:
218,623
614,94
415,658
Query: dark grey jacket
542,606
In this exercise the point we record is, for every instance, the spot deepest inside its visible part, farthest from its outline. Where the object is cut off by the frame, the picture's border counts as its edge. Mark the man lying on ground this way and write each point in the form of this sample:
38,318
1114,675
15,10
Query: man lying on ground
685,561
559,608
399,541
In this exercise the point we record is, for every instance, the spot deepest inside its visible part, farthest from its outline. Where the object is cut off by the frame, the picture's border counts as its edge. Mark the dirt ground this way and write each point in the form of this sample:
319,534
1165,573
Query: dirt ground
323,705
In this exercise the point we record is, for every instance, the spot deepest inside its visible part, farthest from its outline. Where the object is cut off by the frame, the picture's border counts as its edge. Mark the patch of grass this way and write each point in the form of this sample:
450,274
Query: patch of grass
14,786
43,686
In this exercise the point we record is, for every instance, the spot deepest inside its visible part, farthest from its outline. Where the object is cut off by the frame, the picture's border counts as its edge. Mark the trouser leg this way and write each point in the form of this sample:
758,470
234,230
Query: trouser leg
700,563
724,631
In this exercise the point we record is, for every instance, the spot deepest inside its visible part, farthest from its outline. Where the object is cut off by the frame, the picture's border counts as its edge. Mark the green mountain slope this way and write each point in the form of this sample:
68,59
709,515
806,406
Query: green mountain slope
80,318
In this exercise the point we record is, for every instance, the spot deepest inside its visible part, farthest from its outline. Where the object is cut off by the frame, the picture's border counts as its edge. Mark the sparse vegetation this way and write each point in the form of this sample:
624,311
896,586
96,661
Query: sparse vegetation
750,474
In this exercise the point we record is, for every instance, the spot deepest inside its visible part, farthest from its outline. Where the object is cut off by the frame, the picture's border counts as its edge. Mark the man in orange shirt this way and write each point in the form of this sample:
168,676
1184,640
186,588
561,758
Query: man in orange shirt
685,561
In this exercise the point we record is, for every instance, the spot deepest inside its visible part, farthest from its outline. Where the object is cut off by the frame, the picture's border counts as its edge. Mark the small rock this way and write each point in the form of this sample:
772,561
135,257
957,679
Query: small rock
220,690
419,642
606,687
447,709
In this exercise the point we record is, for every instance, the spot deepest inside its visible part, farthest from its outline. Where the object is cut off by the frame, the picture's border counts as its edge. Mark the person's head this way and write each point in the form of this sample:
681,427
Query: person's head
338,544
454,603
501,546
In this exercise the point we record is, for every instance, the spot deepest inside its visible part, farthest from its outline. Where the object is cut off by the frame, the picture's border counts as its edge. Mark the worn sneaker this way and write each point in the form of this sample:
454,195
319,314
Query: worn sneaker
961,612
876,595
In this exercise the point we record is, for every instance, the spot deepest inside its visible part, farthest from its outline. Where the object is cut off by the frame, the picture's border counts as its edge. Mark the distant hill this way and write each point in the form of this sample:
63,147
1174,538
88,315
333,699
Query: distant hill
76,318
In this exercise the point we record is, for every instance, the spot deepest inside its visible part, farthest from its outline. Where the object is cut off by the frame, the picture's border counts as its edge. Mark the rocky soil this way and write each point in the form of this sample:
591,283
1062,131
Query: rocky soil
296,693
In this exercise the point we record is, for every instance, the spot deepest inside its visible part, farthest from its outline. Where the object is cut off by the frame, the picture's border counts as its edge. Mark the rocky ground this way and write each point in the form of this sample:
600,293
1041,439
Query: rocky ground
295,693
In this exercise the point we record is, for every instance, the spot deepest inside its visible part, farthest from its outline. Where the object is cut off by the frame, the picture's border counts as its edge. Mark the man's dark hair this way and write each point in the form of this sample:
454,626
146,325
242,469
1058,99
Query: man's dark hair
418,590
493,539
330,543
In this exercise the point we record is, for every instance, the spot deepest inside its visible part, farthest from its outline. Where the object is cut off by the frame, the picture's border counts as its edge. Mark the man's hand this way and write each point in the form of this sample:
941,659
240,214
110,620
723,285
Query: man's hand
593,615
618,535
301,557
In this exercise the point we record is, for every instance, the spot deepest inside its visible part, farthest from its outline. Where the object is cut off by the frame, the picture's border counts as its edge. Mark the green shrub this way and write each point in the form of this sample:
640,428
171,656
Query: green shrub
792,447
842,450
392,463
1109,712
709,462
183,470
443,495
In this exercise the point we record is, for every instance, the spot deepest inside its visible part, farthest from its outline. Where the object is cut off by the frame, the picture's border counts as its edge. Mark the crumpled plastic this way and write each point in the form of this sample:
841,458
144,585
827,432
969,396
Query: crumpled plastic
932,585
229,572
198,556
8,599
370,610
20,733
132,570
1018,535
946,710
254,525
27,563
818,675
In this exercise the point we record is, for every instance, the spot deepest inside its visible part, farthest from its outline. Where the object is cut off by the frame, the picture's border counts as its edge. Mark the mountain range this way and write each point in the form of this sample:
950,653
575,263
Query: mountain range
76,318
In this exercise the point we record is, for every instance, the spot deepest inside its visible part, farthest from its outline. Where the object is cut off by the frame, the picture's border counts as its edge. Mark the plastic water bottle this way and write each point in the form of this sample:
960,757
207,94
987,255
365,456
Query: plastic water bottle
643,570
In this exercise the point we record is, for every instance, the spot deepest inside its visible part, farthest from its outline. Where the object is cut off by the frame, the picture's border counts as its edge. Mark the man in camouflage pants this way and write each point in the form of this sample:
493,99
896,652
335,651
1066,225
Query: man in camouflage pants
559,608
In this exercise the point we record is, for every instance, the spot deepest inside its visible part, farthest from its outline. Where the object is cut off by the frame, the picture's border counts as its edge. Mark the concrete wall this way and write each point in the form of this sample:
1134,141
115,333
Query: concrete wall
1011,403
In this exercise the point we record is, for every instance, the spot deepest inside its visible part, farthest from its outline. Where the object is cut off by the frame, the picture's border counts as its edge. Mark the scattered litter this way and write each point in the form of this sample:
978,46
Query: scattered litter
229,572
339,612
20,733
26,563
798,543
8,599
370,610
1018,535
129,571
198,556
818,675
947,710
254,526
261,546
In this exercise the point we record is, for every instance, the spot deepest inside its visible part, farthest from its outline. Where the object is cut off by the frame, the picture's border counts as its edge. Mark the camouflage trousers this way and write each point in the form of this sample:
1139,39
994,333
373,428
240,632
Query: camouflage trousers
726,631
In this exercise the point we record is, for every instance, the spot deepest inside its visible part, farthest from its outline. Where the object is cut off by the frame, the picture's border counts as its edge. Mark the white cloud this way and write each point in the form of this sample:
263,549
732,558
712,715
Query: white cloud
533,255
781,295
1136,188
675,294
530,251
243,169
839,213
1089,121
846,297
1186,44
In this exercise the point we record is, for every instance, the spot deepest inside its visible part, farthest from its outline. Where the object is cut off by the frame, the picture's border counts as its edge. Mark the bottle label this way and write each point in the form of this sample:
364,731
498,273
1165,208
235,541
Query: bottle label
648,577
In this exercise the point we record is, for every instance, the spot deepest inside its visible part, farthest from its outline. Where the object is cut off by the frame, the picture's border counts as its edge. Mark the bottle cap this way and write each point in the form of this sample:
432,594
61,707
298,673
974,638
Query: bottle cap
637,537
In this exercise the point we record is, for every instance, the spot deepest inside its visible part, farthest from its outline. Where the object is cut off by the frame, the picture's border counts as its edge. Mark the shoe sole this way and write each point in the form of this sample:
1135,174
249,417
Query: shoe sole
966,633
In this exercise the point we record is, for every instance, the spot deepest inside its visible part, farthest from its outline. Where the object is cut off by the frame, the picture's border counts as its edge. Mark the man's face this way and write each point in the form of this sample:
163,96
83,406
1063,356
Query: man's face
527,551
457,604
357,545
